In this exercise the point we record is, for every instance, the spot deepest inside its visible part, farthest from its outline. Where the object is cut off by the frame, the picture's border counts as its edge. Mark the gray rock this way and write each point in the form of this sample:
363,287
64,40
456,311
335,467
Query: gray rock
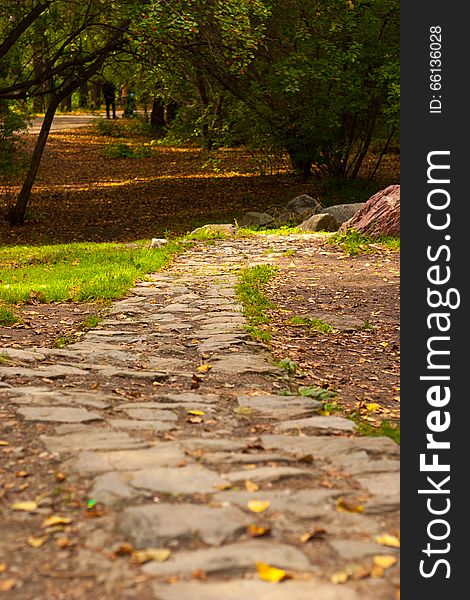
280,407
131,424
59,414
214,445
15,354
320,222
89,439
108,371
244,589
267,474
47,397
154,525
232,557
166,454
240,363
303,203
319,423
255,219
181,397
194,479
352,550
381,484
343,212
111,488
151,414
158,242
49,372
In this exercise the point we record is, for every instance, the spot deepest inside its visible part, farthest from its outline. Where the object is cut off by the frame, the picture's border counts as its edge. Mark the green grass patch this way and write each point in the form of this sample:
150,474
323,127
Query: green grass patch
316,324
7,316
122,150
251,295
391,430
77,272
317,392
352,242
91,321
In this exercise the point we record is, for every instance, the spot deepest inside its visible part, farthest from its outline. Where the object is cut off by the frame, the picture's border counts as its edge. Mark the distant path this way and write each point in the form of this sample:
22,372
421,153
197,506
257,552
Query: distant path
67,121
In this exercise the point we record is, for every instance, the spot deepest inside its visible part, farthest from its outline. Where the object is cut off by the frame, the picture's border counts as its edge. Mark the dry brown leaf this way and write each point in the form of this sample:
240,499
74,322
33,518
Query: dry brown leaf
387,540
251,486
257,530
123,549
3,567
7,584
343,505
56,520
194,420
4,443
148,554
199,574
258,506
268,573
26,506
317,532
36,542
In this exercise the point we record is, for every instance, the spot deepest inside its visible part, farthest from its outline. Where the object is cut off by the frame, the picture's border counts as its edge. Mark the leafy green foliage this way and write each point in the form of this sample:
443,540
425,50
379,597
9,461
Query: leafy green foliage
121,150
319,393
315,324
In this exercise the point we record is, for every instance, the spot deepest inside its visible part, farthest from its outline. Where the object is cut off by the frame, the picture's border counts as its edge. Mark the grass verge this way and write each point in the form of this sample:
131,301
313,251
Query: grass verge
353,242
76,272
7,316
250,293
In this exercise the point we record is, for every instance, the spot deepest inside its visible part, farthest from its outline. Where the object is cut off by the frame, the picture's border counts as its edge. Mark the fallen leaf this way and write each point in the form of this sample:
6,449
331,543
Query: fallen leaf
346,506
204,368
222,486
195,420
388,540
56,520
36,542
63,542
3,567
60,476
339,577
199,574
7,584
26,506
22,474
251,486
373,406
196,412
258,506
314,533
123,549
4,443
148,554
385,561
268,573
257,530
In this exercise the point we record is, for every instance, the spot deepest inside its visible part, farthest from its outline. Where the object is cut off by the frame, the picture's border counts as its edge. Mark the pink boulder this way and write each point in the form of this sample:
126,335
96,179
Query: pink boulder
379,216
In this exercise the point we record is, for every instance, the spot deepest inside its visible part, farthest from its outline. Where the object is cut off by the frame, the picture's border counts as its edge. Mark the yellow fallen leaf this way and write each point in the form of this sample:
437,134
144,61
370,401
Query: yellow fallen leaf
316,532
373,406
243,410
148,554
56,520
388,540
268,573
385,561
36,542
339,577
196,412
257,531
27,506
7,584
251,486
4,443
258,506
204,368
3,567
344,506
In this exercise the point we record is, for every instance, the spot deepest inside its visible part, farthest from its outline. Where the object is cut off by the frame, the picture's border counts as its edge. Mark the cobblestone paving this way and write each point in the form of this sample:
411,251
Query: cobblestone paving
176,459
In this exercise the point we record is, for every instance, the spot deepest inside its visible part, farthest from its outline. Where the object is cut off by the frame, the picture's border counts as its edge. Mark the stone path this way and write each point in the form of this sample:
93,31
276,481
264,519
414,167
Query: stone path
176,454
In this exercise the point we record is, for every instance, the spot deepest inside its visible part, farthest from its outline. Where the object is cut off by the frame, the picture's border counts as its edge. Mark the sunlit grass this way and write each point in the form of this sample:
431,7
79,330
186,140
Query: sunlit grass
78,272
352,242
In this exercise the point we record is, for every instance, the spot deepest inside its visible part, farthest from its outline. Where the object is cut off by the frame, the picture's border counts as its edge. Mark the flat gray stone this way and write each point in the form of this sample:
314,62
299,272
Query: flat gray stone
167,364
304,504
280,407
49,372
193,479
240,363
214,445
167,405
89,439
110,371
240,457
132,424
59,414
154,525
319,423
16,354
381,484
244,589
166,454
46,397
190,397
267,474
151,414
232,557
177,308
112,488
351,550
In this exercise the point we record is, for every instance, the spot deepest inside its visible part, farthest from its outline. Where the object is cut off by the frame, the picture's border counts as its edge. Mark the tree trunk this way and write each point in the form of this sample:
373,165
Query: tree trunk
171,109
157,116
83,95
66,104
17,214
95,95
